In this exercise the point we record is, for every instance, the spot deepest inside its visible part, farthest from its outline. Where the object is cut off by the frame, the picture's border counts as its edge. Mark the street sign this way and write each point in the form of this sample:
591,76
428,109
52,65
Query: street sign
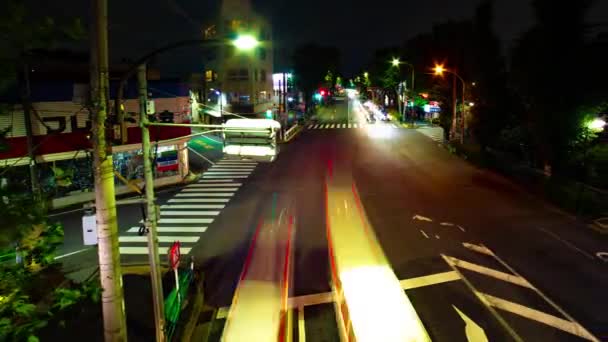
174,255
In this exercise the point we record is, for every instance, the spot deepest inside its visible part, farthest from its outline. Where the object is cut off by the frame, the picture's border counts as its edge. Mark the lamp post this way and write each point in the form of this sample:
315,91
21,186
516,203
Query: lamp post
396,62
439,70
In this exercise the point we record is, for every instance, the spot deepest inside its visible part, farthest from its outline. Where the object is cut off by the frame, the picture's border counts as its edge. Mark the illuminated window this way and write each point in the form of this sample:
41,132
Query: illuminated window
209,75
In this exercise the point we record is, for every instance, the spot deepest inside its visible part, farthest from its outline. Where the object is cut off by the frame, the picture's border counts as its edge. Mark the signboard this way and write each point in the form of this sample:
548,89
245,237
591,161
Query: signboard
174,255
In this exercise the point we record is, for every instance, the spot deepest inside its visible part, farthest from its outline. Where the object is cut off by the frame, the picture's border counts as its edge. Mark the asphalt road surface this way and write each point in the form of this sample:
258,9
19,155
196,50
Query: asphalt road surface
476,254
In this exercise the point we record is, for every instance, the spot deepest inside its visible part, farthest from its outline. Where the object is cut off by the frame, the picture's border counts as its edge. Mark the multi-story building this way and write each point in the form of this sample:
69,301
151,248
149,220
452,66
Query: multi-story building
239,81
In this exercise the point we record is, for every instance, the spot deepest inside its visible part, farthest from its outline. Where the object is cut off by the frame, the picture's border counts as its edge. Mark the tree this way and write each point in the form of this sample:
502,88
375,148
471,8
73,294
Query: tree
545,67
311,64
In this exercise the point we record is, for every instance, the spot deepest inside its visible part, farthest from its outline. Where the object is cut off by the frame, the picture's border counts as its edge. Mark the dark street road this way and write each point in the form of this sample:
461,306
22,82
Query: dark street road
499,258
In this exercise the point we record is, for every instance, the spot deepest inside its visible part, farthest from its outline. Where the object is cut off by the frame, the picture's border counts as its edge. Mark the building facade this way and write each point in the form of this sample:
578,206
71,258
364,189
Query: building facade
240,81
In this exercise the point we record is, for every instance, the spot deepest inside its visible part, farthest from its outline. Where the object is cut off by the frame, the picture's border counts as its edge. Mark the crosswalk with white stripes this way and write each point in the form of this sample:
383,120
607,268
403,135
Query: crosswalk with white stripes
433,132
345,125
188,214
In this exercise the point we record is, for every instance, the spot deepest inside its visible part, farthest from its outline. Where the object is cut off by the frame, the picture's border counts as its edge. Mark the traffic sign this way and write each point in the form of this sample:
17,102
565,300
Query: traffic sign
174,255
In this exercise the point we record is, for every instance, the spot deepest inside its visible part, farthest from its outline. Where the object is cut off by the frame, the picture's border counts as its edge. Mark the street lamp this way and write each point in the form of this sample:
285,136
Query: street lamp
396,62
596,125
245,42
366,74
439,69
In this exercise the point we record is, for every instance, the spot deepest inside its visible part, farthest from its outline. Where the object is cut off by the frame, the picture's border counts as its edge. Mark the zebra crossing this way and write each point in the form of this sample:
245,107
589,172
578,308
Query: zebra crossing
188,214
433,132
345,125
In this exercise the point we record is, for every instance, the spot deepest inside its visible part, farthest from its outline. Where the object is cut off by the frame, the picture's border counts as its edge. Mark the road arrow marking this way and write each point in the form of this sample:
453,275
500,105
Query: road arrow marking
472,330
422,218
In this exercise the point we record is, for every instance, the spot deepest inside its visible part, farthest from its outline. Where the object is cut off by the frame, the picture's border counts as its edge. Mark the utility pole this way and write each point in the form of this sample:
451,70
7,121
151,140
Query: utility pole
155,273
27,113
453,129
110,275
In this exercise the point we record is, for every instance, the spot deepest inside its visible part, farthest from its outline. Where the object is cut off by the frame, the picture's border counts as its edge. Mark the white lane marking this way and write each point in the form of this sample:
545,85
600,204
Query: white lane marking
172,230
395,126
301,325
206,194
602,256
199,200
513,279
184,220
567,243
422,218
350,125
538,292
144,250
332,126
437,278
210,190
472,330
72,253
423,233
478,249
213,185
539,316
446,224
161,238
189,213
437,237
192,206
225,177
461,228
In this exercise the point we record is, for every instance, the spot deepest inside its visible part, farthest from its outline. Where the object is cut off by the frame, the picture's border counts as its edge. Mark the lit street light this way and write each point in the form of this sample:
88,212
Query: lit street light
245,42
596,125
395,62
439,70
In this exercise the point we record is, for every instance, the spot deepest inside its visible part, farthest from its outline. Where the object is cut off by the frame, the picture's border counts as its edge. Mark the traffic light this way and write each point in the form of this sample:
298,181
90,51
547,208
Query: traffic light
322,92
269,114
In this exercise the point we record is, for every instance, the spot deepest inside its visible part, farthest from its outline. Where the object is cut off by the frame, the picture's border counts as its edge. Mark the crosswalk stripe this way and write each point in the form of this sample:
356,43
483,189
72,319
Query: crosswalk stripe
310,126
224,176
192,206
205,194
233,166
355,125
349,125
212,181
144,250
213,185
210,190
189,213
236,162
185,220
199,200
243,172
172,229
314,126
229,169
343,125
332,125
161,238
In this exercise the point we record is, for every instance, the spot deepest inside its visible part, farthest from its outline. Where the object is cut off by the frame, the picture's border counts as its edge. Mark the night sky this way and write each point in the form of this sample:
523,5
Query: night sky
356,27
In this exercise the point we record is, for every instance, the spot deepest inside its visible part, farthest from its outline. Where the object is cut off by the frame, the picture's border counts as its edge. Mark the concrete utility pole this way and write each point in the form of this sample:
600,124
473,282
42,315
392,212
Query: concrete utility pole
27,113
453,129
155,273
112,296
